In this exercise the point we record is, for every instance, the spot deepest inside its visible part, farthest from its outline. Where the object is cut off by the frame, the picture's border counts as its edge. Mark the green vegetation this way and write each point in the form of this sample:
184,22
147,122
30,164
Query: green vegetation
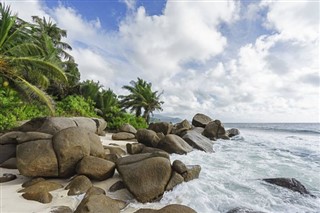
141,97
38,77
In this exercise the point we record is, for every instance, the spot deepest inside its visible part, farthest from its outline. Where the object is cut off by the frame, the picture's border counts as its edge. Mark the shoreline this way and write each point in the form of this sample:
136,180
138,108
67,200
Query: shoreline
10,196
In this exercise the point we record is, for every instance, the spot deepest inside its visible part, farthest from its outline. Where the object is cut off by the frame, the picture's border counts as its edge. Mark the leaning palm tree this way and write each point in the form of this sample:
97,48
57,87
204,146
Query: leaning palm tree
141,97
22,62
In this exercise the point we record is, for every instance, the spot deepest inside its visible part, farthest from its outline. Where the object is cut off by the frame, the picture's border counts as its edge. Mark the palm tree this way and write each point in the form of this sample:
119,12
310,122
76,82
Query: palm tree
141,97
23,62
49,38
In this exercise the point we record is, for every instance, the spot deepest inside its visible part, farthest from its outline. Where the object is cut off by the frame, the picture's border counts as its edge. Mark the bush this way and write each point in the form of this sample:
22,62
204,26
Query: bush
75,106
116,118
13,109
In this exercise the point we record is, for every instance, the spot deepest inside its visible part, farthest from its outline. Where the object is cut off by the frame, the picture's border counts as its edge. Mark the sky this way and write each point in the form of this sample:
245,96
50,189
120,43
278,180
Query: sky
236,61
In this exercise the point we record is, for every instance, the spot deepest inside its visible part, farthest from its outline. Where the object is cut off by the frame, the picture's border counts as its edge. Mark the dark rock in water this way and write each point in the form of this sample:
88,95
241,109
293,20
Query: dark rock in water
243,210
174,144
40,196
61,209
7,151
214,130
117,186
79,185
98,203
232,132
175,180
289,183
173,208
179,167
163,127
200,120
198,141
7,177
193,172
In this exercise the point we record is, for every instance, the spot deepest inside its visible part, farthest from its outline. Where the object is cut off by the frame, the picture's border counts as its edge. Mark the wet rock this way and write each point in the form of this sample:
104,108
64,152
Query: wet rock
243,210
7,177
95,168
175,180
179,167
200,120
174,144
289,183
193,172
79,185
198,141
173,208
232,132
214,130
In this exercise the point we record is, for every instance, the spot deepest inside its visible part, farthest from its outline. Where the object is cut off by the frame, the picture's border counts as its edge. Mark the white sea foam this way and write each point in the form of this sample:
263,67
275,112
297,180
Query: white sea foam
230,177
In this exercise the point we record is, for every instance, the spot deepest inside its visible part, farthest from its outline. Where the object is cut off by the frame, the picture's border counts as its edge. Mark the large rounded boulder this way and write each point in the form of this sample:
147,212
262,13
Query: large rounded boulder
37,158
70,146
145,175
163,127
147,137
214,130
174,144
200,120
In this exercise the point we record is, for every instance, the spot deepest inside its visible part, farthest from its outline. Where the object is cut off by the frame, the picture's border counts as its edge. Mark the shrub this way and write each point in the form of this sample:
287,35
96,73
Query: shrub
75,106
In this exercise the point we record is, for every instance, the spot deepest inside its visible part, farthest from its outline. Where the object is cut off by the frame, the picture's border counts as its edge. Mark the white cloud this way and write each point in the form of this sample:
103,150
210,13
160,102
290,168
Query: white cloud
183,52
298,20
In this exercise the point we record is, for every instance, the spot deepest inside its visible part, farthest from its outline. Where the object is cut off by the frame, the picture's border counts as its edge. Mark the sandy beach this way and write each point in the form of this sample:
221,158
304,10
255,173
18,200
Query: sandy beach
12,201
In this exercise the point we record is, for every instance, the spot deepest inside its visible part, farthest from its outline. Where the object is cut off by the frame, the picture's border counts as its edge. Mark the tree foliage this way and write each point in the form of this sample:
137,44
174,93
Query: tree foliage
141,97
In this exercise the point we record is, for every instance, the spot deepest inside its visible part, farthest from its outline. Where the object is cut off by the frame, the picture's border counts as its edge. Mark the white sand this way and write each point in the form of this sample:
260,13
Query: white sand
12,202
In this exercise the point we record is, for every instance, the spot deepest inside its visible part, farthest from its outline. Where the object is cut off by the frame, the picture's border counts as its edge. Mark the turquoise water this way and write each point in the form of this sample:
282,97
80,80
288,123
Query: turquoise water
230,177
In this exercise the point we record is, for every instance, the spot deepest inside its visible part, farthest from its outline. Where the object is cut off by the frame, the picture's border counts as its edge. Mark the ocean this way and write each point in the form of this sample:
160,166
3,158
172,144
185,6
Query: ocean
231,177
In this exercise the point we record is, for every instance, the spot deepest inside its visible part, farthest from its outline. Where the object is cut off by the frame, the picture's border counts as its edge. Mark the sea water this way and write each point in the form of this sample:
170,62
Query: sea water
231,177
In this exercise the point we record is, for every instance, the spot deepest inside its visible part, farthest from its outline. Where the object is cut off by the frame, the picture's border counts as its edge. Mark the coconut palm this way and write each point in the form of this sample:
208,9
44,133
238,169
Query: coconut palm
23,63
141,97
